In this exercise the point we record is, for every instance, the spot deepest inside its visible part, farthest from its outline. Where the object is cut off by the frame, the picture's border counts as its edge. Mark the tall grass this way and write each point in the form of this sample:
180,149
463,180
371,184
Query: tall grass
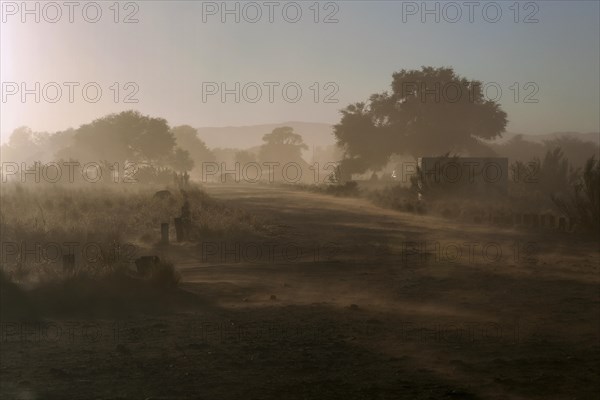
583,203
116,222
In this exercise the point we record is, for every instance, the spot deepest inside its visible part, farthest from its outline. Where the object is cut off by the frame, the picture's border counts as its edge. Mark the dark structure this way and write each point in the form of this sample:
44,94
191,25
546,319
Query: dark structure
146,264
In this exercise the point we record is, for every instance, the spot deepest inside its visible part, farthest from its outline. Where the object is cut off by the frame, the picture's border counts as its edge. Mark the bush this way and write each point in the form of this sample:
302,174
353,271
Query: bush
14,302
398,198
111,292
583,204
554,175
164,276
348,189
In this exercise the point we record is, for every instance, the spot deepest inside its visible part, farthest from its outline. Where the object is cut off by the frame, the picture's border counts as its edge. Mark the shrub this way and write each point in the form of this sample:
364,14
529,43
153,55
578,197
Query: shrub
164,276
350,188
398,197
583,204
14,302
551,176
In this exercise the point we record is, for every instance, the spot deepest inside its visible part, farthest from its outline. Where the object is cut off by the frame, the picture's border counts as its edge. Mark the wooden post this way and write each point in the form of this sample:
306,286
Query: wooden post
551,221
179,229
535,220
69,263
562,224
526,219
164,233
543,220
185,220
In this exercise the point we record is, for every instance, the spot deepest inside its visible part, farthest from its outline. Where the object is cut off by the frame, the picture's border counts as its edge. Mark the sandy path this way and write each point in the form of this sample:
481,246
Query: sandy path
377,305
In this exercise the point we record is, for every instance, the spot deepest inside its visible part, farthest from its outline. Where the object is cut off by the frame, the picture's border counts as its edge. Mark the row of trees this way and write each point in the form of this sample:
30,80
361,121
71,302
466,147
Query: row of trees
428,112
116,138
130,137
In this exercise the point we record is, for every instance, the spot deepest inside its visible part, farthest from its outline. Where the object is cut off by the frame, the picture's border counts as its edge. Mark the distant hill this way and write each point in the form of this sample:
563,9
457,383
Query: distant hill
593,137
244,137
320,134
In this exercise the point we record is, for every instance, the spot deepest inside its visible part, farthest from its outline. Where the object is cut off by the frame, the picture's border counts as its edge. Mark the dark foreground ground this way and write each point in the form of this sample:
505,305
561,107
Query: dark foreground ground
347,301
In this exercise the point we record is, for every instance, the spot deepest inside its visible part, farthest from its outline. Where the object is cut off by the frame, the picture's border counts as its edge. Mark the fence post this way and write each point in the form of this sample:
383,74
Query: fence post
551,221
562,224
164,233
69,262
179,229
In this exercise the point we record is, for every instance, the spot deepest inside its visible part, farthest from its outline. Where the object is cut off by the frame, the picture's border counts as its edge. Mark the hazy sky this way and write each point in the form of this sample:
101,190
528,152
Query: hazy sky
171,52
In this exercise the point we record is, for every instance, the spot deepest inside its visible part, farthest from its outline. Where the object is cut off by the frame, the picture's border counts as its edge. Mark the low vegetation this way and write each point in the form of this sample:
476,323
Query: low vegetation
541,186
105,229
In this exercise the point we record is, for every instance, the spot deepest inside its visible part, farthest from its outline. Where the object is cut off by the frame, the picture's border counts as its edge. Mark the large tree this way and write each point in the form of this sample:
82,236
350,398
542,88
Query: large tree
187,138
431,111
282,145
125,136
181,161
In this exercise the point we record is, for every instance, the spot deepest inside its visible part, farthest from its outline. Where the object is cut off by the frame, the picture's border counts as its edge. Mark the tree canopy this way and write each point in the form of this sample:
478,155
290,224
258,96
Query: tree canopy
187,139
431,111
282,145
128,135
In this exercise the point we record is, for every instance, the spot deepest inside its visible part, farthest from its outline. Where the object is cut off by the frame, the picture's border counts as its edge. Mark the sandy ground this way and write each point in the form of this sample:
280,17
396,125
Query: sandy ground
345,301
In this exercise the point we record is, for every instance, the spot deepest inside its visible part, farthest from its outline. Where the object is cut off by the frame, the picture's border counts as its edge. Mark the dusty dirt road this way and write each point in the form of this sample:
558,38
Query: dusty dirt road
344,300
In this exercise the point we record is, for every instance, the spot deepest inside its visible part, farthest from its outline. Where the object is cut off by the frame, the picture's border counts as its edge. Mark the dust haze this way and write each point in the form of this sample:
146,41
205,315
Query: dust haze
220,219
